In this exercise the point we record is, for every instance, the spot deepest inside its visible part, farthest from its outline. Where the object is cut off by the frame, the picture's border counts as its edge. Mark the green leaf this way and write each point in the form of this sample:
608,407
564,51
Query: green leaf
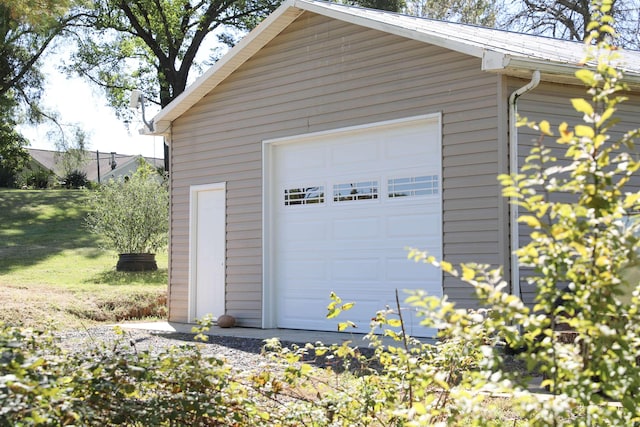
584,131
393,334
607,29
446,266
333,312
468,273
344,325
530,220
419,408
545,128
394,323
586,76
347,306
582,106
606,115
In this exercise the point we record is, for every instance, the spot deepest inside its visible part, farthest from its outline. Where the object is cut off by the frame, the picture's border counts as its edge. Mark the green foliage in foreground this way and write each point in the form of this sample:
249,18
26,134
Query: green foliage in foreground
41,384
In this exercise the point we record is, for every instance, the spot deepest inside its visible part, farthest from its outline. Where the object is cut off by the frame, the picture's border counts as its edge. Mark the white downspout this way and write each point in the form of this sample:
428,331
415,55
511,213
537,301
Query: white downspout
513,168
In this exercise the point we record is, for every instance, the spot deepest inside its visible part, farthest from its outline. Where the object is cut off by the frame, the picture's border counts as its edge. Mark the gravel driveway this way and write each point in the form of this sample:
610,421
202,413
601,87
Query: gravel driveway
240,353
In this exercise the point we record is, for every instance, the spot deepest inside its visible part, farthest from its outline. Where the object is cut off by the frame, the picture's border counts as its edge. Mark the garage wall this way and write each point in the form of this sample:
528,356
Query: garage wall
552,102
322,74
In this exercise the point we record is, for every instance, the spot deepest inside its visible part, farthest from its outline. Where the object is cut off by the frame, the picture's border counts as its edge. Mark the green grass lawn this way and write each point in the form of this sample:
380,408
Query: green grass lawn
52,269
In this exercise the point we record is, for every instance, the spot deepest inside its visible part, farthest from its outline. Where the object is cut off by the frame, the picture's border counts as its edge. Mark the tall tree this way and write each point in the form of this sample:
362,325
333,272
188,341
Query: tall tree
36,12
152,45
73,154
27,29
13,156
476,12
568,19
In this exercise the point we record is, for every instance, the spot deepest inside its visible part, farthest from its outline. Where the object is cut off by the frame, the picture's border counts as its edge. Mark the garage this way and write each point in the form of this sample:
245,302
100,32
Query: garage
343,206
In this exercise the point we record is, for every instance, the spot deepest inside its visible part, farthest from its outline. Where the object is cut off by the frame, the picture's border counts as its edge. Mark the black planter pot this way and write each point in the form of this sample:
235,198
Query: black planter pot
136,262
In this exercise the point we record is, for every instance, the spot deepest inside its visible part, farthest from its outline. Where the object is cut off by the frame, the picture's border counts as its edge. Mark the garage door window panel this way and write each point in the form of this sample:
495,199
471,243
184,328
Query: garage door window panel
363,190
304,196
427,185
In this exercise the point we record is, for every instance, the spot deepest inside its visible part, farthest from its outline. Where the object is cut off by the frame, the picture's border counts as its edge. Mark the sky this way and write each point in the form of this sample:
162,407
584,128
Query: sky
77,102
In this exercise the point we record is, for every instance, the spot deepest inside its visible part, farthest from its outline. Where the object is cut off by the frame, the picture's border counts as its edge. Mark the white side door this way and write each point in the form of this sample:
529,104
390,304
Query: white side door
207,258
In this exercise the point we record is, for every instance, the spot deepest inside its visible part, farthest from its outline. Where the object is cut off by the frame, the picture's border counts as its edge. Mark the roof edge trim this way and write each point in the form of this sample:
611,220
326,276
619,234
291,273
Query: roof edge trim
365,21
506,64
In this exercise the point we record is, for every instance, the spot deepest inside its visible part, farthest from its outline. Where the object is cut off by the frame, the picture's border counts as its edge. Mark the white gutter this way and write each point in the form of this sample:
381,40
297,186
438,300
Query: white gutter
513,168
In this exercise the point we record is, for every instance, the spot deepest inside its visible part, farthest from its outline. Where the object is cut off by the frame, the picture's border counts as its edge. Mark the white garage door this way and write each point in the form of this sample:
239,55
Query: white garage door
345,206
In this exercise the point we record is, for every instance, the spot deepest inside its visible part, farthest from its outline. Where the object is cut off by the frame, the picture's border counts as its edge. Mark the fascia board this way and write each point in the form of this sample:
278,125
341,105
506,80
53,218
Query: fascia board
550,71
504,63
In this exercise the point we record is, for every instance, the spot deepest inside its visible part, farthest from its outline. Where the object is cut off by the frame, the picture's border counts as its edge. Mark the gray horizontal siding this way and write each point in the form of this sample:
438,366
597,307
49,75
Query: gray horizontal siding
321,74
552,102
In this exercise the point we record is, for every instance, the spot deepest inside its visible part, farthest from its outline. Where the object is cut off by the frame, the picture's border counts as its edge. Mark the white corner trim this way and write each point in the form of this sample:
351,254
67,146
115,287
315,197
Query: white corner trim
269,306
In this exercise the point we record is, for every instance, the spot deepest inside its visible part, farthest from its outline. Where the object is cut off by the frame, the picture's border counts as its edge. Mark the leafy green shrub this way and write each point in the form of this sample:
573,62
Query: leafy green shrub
179,386
38,178
585,246
33,372
132,215
8,177
41,384
75,179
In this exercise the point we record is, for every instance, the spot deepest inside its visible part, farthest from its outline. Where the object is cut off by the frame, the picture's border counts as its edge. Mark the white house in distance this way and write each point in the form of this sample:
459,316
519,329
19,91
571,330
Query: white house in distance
99,166
331,138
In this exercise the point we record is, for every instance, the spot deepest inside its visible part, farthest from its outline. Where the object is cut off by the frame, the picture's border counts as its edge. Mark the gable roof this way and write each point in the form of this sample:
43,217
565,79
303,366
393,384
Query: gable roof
50,160
44,158
505,52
